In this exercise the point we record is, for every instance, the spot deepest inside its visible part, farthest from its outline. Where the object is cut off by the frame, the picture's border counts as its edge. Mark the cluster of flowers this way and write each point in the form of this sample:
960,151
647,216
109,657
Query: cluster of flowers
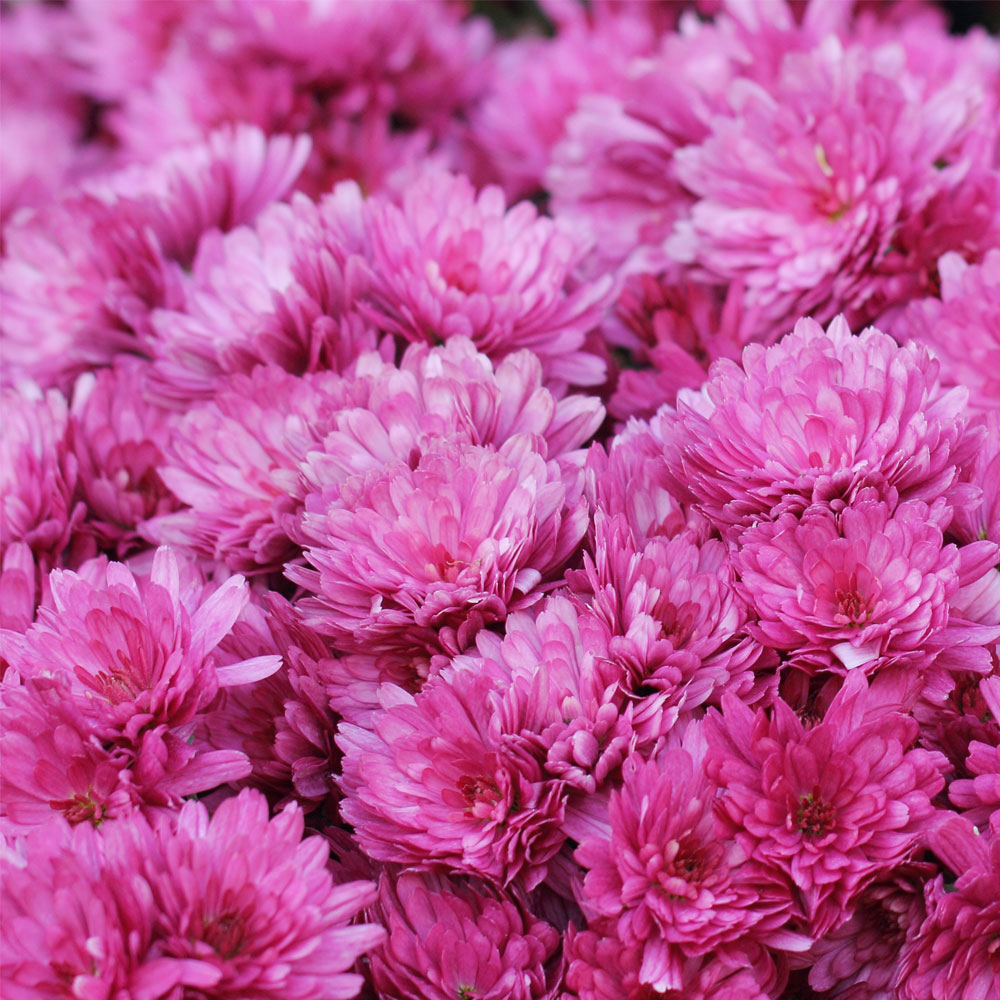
499,518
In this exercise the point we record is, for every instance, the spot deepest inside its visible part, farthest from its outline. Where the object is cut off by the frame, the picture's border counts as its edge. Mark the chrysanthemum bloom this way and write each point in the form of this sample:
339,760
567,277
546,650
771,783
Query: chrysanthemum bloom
631,479
347,75
978,796
677,625
117,437
535,83
280,292
802,187
233,461
253,904
78,917
283,723
952,954
446,262
672,332
44,112
865,586
410,559
819,415
39,505
448,939
137,652
86,272
832,807
978,517
558,689
430,786
164,910
662,877
962,328
603,968
858,960
19,589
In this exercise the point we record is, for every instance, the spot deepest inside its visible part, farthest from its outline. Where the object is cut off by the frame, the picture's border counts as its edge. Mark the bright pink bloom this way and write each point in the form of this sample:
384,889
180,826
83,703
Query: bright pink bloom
963,327
978,796
952,954
862,586
117,437
430,786
413,559
137,652
446,262
661,876
833,807
447,940
817,416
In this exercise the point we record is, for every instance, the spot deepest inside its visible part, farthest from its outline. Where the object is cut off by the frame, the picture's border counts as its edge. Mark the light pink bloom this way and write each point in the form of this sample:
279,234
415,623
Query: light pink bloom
431,786
832,807
817,416
415,559
448,939
447,262
802,187
950,956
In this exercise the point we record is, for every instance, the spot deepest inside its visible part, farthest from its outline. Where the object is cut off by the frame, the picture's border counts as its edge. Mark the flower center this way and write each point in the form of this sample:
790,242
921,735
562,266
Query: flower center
225,933
81,808
481,793
815,816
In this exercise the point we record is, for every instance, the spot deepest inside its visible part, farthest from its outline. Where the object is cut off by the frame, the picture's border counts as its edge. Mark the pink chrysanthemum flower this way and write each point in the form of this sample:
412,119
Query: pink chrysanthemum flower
19,589
233,461
447,940
962,328
863,147
677,625
430,786
280,292
817,416
283,723
859,959
137,652
978,518
832,807
163,910
273,925
446,262
38,474
672,333
339,73
662,878
863,586
450,391
602,968
952,954
117,437
409,559
978,795
88,271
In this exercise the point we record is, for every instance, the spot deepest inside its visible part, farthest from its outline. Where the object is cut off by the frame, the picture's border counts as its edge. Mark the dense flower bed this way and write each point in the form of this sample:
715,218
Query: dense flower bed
499,517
